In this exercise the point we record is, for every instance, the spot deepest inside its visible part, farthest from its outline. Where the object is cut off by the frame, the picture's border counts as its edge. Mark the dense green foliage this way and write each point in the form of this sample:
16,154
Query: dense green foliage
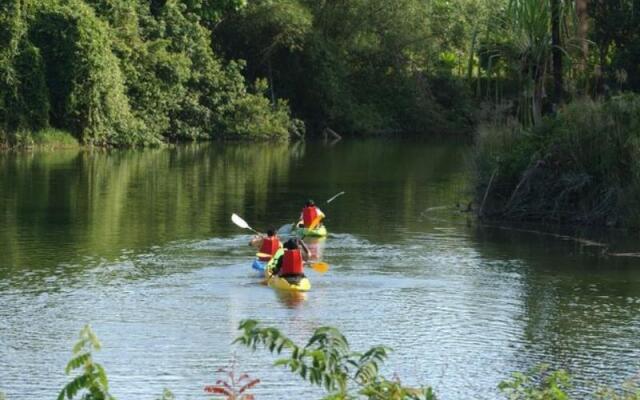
138,73
580,166
577,164
120,73
360,66
615,35
123,73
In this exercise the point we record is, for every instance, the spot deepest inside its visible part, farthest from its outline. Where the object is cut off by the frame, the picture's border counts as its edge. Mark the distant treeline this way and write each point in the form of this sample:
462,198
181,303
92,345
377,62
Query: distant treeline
138,72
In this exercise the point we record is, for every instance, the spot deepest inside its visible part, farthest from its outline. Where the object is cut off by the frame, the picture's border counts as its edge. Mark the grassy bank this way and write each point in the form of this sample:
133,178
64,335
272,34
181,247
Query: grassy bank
580,166
43,139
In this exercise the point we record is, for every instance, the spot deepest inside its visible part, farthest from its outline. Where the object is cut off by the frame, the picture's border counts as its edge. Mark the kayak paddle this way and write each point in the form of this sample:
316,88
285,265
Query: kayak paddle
235,218
319,267
334,197
316,221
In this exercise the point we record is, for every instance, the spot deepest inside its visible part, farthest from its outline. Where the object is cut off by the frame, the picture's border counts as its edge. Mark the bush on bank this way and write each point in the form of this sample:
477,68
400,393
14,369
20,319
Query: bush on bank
581,166
122,73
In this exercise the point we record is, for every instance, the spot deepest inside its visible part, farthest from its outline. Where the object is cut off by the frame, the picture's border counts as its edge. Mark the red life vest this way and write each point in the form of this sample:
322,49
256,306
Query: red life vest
308,215
292,263
269,246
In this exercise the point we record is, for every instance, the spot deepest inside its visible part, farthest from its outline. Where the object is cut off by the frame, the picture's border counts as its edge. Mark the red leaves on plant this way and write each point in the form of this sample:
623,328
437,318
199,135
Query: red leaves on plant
221,383
231,387
249,385
218,390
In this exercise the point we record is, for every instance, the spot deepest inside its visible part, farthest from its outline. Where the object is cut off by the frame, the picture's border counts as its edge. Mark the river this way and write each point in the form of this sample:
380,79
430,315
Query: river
139,244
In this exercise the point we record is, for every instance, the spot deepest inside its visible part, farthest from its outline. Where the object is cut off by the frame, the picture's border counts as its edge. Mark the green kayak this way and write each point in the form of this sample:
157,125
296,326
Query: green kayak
320,231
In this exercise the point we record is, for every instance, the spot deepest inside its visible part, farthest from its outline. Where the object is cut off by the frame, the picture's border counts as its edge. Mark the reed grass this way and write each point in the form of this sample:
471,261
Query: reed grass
581,166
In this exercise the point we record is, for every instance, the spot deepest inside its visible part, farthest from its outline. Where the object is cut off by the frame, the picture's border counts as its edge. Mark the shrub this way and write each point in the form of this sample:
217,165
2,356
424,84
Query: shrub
537,384
580,166
251,117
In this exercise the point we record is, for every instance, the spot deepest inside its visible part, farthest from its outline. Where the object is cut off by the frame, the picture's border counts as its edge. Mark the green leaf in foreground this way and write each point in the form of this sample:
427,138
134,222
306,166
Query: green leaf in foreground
327,361
91,381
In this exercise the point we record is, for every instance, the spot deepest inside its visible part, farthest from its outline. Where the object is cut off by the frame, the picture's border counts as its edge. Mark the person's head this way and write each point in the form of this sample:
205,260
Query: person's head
271,232
310,203
291,244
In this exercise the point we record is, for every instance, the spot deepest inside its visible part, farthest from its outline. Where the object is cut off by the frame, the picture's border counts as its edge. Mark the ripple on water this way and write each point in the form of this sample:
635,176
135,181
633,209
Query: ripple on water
455,319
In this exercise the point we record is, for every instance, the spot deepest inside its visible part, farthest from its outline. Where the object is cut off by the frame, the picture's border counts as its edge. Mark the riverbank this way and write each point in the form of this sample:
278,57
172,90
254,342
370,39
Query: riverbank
580,166
49,139
54,139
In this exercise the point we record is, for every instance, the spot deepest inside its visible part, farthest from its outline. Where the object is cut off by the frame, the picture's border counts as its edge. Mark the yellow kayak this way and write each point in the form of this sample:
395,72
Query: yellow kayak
280,283
300,285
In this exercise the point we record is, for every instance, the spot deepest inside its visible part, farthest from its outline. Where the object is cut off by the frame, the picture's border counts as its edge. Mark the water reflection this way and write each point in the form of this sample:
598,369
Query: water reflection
57,207
579,307
316,247
291,299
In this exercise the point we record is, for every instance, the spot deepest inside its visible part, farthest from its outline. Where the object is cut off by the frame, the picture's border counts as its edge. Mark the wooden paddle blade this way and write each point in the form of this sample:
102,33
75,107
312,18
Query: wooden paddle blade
320,267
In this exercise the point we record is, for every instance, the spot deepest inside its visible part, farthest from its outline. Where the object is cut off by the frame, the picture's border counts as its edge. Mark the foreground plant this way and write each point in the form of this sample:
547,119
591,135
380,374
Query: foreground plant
538,383
167,395
629,391
327,361
92,381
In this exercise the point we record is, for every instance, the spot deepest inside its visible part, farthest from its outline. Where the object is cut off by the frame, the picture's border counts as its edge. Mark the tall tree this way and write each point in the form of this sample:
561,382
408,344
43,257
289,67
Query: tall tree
556,52
583,30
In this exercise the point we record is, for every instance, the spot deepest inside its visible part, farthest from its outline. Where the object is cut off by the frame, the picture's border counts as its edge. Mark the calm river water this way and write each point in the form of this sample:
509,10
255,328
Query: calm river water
140,245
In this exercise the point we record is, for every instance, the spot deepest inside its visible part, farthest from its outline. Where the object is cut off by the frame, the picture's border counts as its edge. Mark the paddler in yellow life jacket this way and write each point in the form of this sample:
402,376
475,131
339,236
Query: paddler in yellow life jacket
290,264
309,213
269,244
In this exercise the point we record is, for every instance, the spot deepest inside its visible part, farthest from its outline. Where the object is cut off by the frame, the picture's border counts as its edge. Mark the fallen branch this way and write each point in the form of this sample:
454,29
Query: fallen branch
331,132
584,242
486,193
637,255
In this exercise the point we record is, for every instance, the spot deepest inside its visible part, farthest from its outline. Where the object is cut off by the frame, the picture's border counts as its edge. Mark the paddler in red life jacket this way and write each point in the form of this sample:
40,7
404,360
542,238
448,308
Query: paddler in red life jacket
267,244
291,263
309,213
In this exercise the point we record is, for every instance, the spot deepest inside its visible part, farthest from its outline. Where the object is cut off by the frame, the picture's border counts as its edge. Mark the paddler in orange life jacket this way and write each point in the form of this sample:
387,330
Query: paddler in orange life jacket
309,213
267,244
291,263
